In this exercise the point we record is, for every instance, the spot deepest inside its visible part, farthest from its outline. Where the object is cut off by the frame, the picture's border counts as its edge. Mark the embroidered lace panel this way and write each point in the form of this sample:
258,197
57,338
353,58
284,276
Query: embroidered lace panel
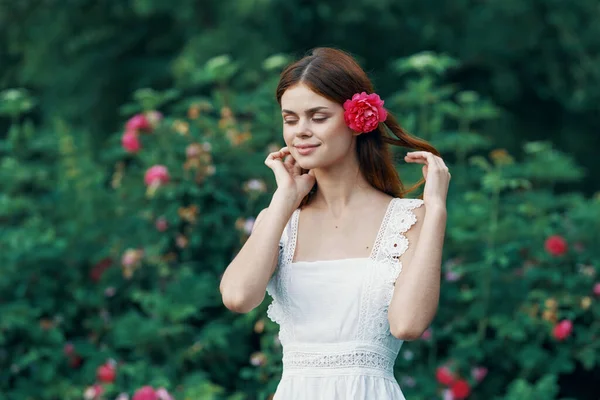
359,358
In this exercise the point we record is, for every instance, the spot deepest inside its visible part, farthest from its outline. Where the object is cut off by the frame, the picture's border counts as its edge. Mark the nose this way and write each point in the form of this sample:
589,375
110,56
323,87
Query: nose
303,128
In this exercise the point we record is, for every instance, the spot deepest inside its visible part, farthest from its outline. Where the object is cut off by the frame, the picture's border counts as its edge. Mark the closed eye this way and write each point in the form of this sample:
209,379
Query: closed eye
319,120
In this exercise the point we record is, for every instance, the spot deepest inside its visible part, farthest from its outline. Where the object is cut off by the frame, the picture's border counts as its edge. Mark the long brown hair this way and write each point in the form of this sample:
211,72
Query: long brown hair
335,75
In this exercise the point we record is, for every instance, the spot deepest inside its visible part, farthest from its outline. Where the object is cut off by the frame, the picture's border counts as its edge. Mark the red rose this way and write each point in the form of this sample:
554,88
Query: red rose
444,376
106,373
99,268
562,330
556,245
131,142
145,393
460,389
137,123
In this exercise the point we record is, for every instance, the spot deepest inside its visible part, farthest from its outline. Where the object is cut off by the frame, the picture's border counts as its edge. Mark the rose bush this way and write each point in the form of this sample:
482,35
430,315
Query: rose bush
117,254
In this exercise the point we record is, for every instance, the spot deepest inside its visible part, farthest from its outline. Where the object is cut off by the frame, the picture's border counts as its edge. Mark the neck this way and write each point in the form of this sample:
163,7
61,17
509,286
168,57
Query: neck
340,186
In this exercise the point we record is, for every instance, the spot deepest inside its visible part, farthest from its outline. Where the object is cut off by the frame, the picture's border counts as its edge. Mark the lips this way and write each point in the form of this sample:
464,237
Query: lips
305,149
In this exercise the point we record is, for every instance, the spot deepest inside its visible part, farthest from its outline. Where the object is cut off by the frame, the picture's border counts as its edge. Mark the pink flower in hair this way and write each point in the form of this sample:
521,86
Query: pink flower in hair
364,112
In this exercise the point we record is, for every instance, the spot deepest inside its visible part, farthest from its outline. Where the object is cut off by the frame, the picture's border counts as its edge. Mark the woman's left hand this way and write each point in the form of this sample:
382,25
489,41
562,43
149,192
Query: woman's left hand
436,174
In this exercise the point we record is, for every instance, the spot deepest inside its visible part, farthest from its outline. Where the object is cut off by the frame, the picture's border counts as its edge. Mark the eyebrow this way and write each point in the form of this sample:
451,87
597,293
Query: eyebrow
309,111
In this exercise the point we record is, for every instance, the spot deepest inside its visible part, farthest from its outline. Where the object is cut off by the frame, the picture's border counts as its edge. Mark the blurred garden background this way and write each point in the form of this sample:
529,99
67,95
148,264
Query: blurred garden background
132,140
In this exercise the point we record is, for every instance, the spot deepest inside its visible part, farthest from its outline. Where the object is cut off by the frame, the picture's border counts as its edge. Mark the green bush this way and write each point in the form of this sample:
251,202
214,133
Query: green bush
103,269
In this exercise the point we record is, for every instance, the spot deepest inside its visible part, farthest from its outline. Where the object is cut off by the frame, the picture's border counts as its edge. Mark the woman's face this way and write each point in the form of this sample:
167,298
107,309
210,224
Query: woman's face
314,128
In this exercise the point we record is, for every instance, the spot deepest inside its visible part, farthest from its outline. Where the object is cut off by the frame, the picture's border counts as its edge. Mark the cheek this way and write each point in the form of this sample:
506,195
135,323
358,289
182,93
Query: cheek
288,135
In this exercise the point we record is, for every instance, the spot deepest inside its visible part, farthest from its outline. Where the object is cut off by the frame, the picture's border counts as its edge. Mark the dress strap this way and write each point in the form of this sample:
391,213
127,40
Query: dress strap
292,238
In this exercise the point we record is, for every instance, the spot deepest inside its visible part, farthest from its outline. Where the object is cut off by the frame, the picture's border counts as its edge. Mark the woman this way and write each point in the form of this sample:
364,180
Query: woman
353,267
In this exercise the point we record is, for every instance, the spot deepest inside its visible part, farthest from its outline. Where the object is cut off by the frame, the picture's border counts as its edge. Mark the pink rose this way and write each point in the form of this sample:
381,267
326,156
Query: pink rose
597,289
562,330
426,334
138,123
364,112
93,392
145,393
444,375
132,257
161,224
556,245
163,394
479,373
156,175
131,142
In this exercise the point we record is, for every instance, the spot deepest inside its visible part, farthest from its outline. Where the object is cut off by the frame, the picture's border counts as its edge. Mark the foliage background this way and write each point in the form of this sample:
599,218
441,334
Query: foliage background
507,90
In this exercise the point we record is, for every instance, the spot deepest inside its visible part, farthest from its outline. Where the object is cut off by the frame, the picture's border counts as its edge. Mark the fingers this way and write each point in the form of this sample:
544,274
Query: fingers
275,159
425,157
277,155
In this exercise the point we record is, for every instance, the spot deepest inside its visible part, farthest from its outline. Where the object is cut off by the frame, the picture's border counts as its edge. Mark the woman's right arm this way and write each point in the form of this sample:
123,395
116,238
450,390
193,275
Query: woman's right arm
245,280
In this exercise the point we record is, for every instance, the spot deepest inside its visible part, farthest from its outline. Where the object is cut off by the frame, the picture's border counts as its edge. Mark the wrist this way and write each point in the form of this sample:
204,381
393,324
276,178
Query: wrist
435,208
283,203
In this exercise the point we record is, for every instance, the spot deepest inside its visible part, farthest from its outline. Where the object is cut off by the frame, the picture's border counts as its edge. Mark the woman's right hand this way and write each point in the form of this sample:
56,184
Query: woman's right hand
292,183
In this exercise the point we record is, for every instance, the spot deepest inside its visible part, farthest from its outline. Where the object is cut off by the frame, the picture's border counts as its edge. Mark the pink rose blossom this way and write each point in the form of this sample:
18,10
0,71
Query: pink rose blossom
556,245
156,175
69,349
131,257
562,330
163,394
131,142
161,224
364,112
93,392
145,393
427,334
479,373
138,123
597,289
444,375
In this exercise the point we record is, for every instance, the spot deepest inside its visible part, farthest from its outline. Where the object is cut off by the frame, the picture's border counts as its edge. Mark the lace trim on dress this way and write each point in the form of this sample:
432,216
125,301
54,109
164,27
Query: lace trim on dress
390,245
277,287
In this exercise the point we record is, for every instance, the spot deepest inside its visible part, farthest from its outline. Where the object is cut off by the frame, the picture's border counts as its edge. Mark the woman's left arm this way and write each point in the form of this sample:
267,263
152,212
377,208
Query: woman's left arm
417,289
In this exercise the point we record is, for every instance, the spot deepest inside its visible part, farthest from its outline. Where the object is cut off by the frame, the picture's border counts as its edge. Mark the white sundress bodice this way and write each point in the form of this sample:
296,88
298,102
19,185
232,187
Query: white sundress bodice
333,319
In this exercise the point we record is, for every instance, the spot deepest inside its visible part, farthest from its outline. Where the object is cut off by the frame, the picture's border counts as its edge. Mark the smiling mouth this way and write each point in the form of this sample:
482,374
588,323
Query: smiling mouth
306,149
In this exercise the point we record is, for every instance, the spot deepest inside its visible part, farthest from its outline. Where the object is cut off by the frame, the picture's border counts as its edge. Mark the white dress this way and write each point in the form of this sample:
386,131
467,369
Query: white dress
333,319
